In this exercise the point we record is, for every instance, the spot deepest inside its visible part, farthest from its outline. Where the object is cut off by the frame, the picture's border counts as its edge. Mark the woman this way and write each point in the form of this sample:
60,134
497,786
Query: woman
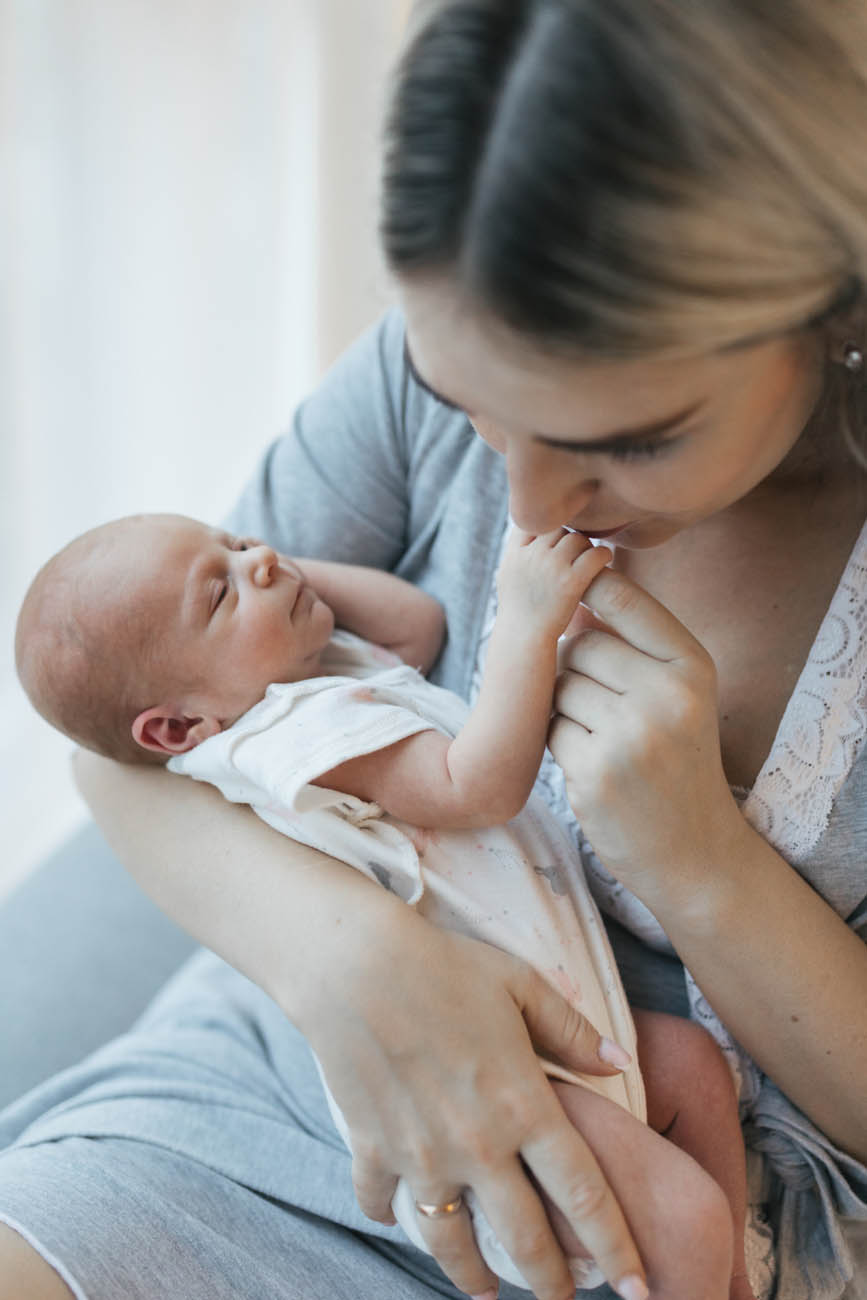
630,240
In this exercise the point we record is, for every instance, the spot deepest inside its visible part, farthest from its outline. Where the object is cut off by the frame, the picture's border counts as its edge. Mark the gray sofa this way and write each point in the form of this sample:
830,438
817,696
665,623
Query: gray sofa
82,950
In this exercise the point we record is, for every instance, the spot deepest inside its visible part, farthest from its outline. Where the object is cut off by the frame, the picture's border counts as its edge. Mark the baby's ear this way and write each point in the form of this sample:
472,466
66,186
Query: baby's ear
158,729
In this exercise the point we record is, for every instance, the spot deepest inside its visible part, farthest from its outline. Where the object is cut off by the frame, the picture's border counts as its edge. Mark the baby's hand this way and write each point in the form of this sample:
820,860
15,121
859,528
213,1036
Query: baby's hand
543,578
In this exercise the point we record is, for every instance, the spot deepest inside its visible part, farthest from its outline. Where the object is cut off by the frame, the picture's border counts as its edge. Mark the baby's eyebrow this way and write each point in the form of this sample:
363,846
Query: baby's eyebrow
194,602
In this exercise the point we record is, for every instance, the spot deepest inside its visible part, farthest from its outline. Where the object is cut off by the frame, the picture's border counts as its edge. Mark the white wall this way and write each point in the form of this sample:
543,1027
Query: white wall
187,216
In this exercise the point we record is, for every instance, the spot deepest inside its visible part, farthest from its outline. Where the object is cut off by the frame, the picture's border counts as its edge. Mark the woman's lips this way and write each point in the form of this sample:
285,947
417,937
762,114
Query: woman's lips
603,532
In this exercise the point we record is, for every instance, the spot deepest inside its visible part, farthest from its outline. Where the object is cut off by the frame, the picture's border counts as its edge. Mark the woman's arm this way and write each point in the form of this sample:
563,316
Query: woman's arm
439,1088
381,608
636,733
785,974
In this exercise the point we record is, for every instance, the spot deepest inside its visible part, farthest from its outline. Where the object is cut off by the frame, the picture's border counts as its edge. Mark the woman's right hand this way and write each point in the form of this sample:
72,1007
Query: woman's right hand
422,1034
425,1039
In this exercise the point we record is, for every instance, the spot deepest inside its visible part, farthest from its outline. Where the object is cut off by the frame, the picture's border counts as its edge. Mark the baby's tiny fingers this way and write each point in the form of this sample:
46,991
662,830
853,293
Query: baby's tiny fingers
590,562
568,539
518,538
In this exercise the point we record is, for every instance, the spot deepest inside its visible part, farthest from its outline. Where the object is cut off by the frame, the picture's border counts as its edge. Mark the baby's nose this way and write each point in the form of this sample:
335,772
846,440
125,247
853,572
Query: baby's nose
263,562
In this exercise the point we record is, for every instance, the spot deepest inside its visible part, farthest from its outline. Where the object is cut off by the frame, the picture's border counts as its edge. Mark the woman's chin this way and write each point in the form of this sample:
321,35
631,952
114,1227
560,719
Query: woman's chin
645,534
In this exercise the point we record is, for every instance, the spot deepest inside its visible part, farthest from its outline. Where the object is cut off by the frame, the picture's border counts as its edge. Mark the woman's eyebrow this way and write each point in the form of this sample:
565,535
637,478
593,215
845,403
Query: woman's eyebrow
410,365
620,439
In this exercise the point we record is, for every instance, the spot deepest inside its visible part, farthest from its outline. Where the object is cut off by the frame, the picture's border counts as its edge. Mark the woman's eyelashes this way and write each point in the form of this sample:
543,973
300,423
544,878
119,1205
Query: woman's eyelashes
641,450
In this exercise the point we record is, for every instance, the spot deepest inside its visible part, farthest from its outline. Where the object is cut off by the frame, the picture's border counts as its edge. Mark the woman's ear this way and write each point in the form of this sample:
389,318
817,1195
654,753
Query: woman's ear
158,729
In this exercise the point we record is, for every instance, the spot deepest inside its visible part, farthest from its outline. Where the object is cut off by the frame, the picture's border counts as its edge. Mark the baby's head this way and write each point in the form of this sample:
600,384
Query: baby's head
143,637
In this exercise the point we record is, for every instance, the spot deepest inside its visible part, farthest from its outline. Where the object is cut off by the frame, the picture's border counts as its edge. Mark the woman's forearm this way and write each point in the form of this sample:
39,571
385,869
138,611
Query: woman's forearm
787,976
270,907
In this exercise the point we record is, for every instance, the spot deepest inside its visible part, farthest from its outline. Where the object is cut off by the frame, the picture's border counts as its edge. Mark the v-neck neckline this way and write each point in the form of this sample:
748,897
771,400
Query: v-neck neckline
823,724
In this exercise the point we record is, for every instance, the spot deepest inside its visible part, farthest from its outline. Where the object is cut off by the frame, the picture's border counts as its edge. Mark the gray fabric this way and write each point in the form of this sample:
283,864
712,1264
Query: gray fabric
168,1164
816,1194
82,950
373,471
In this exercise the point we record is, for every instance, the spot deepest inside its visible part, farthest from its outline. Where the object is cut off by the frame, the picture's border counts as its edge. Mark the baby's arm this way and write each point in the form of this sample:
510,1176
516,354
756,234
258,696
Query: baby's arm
381,608
484,776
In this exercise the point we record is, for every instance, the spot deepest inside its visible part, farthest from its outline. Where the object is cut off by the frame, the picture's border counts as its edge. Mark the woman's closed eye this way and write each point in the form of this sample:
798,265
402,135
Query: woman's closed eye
642,450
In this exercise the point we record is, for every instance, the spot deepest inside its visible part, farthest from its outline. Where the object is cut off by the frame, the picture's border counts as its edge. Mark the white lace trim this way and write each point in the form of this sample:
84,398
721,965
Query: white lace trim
823,726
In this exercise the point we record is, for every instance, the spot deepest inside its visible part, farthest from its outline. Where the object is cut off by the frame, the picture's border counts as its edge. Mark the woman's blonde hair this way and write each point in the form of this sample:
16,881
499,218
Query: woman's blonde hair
637,177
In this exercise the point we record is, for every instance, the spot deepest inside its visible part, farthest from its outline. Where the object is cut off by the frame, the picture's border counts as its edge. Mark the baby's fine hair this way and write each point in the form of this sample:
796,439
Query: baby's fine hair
86,645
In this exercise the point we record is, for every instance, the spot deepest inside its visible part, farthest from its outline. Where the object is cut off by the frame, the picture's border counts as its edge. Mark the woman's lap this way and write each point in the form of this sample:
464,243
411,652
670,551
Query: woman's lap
127,1218
195,1156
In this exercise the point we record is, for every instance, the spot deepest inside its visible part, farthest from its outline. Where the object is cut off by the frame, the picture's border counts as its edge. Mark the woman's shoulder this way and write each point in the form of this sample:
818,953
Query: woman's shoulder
342,480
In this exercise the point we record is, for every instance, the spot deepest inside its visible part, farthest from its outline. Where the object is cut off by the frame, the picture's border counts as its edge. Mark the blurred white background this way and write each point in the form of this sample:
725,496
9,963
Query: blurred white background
187,239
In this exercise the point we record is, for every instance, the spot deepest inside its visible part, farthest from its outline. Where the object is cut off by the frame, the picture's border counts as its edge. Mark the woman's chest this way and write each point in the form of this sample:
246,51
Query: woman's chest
755,598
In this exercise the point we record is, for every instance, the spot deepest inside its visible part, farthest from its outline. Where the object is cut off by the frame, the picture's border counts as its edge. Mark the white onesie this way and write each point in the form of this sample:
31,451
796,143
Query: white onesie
518,886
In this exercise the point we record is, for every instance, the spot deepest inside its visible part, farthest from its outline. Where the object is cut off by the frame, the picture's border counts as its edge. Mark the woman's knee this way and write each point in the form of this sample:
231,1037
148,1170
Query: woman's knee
24,1274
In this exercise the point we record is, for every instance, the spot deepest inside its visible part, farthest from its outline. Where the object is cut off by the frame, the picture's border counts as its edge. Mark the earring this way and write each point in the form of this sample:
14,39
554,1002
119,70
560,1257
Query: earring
853,358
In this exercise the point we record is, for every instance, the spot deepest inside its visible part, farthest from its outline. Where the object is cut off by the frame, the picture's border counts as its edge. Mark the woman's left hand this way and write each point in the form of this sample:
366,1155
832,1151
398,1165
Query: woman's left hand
636,732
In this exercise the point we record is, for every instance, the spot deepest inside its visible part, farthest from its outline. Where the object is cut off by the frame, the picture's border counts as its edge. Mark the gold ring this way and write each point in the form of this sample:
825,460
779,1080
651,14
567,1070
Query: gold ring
440,1211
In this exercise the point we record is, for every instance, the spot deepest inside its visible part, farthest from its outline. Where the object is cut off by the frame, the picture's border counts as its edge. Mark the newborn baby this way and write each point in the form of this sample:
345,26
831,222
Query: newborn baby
159,639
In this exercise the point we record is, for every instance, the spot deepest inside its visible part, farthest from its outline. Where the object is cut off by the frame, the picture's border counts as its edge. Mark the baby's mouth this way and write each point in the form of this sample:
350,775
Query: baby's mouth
299,592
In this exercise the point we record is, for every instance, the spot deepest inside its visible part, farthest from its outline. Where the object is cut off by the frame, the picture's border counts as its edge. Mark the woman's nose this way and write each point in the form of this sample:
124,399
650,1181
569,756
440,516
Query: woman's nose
261,562
543,494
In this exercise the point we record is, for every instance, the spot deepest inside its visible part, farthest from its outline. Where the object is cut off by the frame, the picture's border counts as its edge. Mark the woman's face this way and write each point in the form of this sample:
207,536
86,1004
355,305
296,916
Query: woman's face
646,448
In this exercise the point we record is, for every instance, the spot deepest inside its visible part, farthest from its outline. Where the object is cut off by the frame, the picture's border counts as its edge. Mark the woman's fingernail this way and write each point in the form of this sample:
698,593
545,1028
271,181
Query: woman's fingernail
613,1054
632,1288
486,1295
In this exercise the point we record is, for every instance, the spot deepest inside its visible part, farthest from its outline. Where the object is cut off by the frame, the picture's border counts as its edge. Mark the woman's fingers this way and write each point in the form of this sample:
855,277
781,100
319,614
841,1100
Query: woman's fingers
512,1207
459,1114
566,1168
637,617
558,1030
449,1235
451,1241
374,1188
604,656
583,700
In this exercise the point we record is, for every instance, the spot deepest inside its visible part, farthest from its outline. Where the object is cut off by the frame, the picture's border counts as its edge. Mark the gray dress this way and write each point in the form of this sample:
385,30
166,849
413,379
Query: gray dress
194,1156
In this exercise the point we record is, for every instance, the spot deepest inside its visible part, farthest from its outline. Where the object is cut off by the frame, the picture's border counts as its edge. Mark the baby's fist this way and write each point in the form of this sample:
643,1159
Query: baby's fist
543,577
